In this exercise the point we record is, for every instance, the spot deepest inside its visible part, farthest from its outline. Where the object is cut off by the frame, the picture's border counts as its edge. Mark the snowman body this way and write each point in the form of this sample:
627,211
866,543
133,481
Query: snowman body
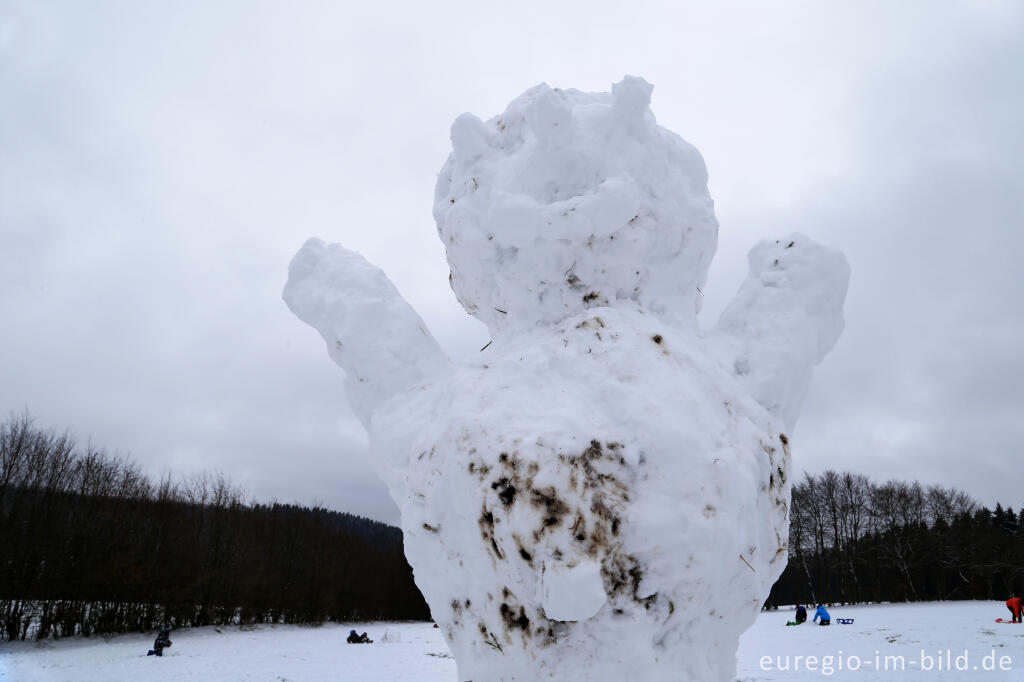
601,493
593,500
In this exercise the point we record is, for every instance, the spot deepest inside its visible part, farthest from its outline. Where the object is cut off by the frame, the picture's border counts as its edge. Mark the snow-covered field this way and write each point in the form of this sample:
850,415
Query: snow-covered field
879,639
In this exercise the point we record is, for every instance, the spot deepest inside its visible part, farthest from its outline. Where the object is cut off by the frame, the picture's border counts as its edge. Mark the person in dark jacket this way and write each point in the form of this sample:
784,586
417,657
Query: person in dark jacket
1016,606
353,638
163,640
823,614
801,613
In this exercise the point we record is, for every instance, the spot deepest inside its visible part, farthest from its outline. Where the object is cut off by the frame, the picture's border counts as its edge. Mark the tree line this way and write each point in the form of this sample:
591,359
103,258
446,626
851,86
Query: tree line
90,545
852,541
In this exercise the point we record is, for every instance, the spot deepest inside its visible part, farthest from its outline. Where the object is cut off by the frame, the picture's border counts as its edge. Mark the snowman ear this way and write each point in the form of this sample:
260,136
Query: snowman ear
631,101
469,138
370,331
632,95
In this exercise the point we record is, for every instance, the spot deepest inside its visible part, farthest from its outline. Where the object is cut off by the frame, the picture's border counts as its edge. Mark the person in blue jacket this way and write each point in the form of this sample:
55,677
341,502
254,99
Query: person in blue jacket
823,614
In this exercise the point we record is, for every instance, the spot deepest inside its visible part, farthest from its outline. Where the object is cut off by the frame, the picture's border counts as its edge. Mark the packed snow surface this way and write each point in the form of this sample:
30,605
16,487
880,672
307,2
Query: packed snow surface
602,493
891,642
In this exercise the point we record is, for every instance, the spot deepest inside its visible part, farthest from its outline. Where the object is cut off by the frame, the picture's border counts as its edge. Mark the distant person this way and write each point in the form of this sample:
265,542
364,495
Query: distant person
823,614
353,638
801,616
163,640
1016,606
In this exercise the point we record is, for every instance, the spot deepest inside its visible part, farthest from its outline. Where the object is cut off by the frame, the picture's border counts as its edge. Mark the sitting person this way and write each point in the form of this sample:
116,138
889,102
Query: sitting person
353,638
163,640
801,613
823,614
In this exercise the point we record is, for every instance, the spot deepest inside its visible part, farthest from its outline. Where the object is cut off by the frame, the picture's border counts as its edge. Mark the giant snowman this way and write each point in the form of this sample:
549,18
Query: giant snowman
602,493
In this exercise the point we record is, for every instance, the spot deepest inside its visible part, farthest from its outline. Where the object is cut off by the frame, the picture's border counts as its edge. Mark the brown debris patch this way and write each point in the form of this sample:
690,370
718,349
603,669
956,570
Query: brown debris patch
593,452
514,620
622,576
506,491
579,528
591,323
601,509
480,470
526,554
554,508
486,523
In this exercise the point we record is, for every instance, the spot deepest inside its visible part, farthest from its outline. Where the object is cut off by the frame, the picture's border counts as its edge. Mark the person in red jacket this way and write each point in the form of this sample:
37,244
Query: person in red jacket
1016,606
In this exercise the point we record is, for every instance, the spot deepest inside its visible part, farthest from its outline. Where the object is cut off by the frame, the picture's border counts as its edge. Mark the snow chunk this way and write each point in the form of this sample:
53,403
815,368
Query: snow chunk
572,593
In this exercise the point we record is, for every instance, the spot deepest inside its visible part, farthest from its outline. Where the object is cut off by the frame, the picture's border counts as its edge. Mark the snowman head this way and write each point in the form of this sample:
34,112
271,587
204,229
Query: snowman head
571,200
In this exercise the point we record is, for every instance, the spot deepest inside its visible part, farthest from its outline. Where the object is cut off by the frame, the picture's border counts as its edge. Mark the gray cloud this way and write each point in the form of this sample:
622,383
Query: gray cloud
159,166
924,383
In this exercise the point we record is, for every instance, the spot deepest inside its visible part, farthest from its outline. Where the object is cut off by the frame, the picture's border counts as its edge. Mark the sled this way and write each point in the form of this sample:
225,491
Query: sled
844,621
1008,622
792,622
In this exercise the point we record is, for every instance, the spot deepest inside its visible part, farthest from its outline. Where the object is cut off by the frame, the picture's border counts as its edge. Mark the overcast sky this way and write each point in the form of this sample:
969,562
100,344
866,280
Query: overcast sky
161,163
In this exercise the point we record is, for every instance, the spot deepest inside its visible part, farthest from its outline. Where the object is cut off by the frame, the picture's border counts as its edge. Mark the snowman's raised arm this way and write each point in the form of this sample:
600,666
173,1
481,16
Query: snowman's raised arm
371,332
786,317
